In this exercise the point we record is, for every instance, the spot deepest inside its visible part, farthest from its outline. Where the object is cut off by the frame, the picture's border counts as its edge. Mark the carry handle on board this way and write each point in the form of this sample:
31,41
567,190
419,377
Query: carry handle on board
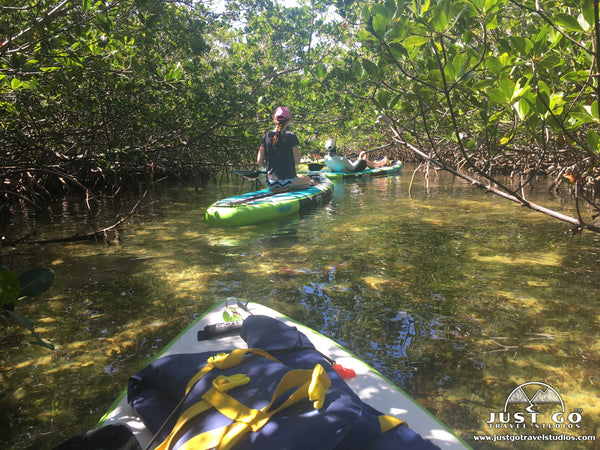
219,329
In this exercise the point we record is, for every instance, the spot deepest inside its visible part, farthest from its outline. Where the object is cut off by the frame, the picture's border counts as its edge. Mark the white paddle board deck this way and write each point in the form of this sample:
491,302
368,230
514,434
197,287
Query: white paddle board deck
372,387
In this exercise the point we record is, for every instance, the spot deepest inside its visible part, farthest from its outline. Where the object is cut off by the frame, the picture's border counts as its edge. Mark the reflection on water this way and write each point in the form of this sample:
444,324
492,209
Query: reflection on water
455,295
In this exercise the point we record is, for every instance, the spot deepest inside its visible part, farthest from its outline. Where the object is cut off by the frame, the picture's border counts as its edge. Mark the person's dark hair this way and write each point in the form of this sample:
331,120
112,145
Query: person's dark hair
280,124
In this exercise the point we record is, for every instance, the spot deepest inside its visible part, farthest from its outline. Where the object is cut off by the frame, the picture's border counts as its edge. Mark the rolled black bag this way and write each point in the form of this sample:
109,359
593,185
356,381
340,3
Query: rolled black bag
342,421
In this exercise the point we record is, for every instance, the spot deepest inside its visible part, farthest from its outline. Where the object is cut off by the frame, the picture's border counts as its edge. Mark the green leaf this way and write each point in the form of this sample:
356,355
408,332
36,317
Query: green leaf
28,323
594,141
491,21
494,64
550,61
366,36
415,40
522,108
397,32
230,314
398,51
585,25
104,22
489,4
542,36
587,11
425,6
497,95
483,85
459,64
379,24
507,86
383,98
593,110
556,100
519,44
385,10
439,20
366,13
542,101
577,76
467,36
554,37
35,282
9,287
521,91
543,87
449,73
396,102
580,118
369,67
568,22
505,59
15,83
25,322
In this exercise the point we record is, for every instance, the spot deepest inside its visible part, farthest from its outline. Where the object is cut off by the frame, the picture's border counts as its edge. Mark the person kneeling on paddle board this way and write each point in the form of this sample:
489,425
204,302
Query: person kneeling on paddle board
339,163
278,155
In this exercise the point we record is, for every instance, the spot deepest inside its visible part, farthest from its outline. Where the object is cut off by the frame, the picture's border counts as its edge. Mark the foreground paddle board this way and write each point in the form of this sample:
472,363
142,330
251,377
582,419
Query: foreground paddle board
372,387
260,206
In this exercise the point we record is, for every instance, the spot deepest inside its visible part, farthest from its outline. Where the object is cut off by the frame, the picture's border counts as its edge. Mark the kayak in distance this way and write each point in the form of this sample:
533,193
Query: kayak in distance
394,168
260,206
341,403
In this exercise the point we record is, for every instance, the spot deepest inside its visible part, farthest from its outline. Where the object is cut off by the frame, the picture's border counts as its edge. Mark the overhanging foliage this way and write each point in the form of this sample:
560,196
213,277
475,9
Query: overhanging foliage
96,95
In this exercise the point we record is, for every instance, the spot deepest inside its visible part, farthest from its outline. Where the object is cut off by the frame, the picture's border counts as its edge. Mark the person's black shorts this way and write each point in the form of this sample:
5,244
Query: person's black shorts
362,165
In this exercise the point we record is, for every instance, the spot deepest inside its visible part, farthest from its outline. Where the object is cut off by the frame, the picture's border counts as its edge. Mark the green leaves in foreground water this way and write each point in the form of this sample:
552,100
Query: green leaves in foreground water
15,287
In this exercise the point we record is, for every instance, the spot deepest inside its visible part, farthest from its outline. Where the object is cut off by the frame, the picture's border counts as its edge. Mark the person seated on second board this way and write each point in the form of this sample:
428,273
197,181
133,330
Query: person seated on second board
278,154
339,163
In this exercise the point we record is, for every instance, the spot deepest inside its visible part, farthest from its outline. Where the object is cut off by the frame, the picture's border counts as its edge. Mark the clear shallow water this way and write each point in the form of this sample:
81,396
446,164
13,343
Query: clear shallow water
455,295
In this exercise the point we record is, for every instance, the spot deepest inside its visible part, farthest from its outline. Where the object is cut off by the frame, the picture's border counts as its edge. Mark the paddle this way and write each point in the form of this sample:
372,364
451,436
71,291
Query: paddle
251,198
250,175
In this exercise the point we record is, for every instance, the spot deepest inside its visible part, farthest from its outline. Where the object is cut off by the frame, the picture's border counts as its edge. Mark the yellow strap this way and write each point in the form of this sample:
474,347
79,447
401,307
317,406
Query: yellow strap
220,361
224,361
188,414
319,385
236,411
313,384
255,420
233,359
308,383
388,422
215,439
220,384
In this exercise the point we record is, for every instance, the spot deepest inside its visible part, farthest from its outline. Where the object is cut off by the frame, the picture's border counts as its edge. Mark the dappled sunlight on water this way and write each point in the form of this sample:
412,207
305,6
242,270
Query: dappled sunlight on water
455,295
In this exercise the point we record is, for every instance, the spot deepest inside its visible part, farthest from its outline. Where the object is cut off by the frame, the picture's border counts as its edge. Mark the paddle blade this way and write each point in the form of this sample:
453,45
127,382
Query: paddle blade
250,175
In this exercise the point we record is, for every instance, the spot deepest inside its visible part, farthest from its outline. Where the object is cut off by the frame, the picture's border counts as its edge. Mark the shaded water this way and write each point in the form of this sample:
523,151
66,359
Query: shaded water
456,296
